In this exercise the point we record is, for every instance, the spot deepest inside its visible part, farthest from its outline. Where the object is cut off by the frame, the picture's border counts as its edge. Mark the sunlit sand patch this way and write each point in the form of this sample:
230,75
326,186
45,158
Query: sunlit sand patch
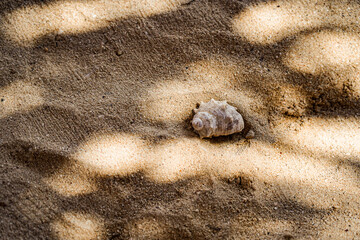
232,160
78,226
171,102
179,159
327,50
267,23
183,158
313,182
174,100
148,228
270,22
20,96
26,25
71,181
327,137
176,160
112,154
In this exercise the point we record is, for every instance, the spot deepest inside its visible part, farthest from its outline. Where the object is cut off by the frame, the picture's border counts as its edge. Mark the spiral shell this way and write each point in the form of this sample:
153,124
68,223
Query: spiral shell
216,118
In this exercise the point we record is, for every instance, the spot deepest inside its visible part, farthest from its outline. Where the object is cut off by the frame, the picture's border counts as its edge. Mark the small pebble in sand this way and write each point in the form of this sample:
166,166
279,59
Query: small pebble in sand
250,134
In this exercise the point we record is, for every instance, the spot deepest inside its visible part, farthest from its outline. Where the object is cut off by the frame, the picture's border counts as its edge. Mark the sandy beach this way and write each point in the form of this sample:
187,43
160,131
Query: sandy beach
97,98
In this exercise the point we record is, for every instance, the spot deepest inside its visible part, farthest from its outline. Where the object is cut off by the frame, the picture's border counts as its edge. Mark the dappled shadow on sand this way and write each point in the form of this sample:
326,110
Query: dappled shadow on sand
95,121
135,206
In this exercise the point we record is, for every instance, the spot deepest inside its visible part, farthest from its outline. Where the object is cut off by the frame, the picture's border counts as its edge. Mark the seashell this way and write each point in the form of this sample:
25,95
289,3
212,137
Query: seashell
216,118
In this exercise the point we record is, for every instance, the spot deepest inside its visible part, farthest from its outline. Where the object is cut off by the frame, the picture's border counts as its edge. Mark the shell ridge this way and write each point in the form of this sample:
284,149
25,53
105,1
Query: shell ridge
218,119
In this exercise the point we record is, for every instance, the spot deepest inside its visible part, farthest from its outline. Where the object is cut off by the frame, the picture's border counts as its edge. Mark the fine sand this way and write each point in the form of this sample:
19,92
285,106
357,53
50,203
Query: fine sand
96,103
